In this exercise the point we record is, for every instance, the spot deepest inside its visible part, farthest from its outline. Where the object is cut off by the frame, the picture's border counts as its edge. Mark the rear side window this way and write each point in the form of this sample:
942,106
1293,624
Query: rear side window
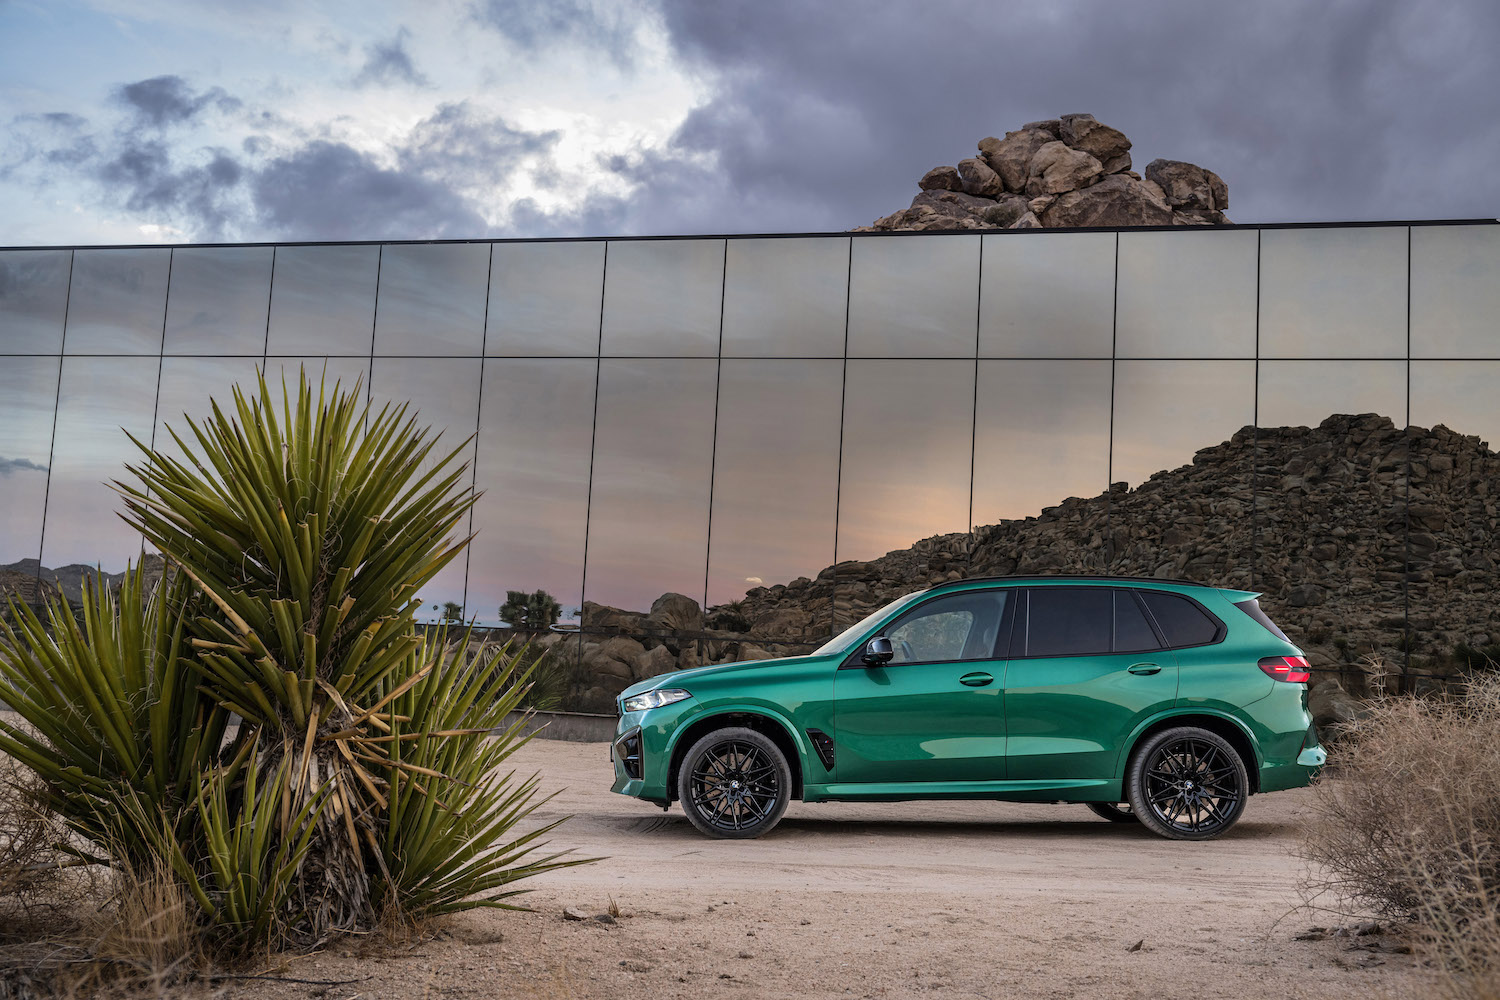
1181,621
1132,632
1252,608
1069,621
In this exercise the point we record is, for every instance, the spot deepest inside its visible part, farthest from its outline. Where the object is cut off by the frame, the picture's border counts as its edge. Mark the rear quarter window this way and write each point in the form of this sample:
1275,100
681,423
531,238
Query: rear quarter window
1252,608
1182,622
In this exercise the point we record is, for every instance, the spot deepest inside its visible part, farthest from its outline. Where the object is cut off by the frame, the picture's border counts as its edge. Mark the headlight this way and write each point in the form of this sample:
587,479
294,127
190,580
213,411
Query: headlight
654,699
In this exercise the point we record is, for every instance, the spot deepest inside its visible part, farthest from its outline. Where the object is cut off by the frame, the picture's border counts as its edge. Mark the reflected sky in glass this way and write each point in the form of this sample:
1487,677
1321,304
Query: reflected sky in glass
786,297
1333,293
1047,295
217,300
1042,435
190,387
662,297
323,300
914,296
908,429
432,299
336,371
544,299
776,481
33,296
1305,393
1165,411
1455,291
534,451
648,526
1458,394
118,302
28,394
1187,294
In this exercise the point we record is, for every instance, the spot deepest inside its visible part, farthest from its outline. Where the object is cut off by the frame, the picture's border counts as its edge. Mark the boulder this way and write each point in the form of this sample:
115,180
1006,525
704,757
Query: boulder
1117,200
1011,157
657,660
941,179
1028,221
1184,184
1006,210
1057,167
923,217
677,612
1087,133
1052,126
1332,707
978,178
1118,164
948,201
1218,189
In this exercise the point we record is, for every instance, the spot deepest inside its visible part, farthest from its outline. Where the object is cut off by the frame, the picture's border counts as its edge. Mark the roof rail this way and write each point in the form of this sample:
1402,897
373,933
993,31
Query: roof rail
1070,576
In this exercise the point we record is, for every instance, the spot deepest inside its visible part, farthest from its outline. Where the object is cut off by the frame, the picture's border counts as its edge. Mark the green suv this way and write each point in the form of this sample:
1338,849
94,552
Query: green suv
1158,701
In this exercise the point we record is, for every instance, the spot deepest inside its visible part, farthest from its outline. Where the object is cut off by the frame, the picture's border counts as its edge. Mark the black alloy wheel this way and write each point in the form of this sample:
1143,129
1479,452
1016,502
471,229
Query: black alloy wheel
1188,784
734,783
1115,812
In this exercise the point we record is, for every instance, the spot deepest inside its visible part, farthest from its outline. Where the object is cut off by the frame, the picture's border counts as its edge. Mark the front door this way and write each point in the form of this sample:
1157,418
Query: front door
934,712
1086,667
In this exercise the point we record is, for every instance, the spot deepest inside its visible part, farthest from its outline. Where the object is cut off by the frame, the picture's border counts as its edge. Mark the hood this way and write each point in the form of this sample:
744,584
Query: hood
681,678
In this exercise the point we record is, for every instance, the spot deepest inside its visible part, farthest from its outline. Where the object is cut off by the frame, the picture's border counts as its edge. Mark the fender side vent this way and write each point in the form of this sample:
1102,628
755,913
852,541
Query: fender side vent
823,743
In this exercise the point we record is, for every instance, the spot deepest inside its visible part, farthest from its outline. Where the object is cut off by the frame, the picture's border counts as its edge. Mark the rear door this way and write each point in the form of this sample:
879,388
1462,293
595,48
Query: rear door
1085,667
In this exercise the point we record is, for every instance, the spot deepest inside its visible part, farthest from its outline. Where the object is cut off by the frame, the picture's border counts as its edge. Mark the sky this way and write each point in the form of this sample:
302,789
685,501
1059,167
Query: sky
176,121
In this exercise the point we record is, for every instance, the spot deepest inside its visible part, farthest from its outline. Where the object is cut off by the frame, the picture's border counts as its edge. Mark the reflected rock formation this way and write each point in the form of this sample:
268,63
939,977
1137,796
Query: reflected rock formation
1063,172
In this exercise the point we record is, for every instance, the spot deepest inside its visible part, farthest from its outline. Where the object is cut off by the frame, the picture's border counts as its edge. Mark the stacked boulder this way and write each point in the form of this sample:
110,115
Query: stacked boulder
1064,172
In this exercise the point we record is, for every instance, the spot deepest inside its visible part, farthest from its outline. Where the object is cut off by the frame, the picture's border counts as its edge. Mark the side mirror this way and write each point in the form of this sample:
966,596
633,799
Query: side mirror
878,651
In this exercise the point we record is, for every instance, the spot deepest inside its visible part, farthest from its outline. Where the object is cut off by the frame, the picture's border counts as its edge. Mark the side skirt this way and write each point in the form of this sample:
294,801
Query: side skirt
1069,790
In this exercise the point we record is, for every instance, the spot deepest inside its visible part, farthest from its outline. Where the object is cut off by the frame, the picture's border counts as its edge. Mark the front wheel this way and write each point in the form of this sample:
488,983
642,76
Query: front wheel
1187,784
1114,812
734,783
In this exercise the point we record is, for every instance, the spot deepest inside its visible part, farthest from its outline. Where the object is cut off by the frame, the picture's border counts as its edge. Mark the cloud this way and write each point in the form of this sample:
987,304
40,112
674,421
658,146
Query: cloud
11,465
536,25
388,63
168,100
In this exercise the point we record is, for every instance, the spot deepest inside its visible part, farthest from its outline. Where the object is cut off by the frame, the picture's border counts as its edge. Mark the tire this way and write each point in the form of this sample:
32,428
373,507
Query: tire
734,784
1114,812
1187,784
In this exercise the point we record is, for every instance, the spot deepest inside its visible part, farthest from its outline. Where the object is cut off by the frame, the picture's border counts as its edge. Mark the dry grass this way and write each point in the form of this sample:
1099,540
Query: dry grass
1410,828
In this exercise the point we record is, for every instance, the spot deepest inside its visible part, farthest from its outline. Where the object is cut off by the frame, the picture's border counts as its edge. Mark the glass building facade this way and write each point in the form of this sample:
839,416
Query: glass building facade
708,416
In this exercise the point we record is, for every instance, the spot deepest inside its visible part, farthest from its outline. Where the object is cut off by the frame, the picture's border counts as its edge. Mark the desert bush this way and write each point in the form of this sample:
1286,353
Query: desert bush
31,867
1410,825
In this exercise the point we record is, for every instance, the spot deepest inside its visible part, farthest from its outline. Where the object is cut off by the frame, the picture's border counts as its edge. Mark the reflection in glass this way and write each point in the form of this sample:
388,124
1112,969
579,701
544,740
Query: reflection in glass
1165,411
329,371
189,389
1047,295
785,297
1305,393
534,448
28,395
1187,294
118,301
431,299
648,524
33,297
1455,291
323,300
544,299
914,296
907,449
776,482
217,300
444,395
1460,395
1042,435
100,399
1333,293
662,297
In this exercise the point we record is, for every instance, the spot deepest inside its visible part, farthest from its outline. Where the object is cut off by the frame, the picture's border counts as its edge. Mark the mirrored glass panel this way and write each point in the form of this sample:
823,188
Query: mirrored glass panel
1187,294
28,396
329,371
118,301
33,297
432,298
544,299
775,494
99,400
785,297
1455,291
1305,393
535,441
1333,293
444,395
323,300
913,296
189,389
217,300
1459,395
1183,442
653,450
663,297
1041,437
1047,295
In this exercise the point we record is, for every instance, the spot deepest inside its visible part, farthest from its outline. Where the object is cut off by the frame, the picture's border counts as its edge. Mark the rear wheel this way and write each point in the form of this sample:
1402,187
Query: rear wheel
1187,784
734,783
1114,812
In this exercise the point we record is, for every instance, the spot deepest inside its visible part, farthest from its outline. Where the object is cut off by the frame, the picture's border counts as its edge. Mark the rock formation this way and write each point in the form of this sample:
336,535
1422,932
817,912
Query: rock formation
1064,172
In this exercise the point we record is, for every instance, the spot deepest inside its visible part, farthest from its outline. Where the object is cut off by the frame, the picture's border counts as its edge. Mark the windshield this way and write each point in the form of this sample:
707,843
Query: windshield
839,642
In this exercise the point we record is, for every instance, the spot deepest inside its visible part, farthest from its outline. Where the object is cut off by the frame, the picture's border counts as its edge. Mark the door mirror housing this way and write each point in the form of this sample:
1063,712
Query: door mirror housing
877,651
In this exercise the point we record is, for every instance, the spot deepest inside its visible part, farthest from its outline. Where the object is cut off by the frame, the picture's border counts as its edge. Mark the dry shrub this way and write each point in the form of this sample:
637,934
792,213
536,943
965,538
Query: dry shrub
1410,826
31,872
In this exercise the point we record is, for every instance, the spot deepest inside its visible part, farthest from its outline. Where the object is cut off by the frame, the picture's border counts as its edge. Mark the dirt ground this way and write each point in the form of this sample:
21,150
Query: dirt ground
947,899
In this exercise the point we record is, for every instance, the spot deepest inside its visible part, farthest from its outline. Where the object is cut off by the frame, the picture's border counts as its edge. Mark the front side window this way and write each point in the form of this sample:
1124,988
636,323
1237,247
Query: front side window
961,626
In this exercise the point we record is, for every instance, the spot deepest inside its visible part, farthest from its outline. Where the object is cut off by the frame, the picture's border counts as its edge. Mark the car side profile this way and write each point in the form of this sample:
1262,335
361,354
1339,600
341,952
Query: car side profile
1155,701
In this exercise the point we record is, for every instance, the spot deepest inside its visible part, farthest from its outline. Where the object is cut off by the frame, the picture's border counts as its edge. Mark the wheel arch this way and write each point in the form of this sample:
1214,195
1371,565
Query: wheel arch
1231,729
774,728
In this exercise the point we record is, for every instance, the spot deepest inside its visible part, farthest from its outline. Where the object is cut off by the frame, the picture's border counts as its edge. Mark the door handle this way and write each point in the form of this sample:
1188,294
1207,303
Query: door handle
1144,668
978,679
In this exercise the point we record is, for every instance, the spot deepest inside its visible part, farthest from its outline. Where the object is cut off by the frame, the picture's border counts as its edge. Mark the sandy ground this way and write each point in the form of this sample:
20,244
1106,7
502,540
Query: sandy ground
947,899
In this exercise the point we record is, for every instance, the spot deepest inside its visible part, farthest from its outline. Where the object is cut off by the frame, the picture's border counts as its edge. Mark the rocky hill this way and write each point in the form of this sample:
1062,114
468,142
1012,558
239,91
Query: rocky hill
1321,512
1062,172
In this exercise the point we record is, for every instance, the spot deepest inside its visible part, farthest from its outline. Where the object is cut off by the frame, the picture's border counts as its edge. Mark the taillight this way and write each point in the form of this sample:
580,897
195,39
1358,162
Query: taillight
1292,669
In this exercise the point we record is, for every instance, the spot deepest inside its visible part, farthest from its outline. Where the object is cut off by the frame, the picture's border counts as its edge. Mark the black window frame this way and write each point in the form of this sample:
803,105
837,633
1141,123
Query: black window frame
1220,634
1019,632
1003,635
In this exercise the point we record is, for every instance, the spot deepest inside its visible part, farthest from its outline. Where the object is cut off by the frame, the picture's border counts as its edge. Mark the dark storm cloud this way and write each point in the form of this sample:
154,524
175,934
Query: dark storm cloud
169,100
388,63
10,465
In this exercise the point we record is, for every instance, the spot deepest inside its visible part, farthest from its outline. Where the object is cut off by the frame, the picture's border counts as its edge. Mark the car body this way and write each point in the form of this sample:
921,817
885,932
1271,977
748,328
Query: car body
994,688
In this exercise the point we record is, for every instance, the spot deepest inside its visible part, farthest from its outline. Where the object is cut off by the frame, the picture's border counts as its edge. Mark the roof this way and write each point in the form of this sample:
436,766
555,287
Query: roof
1101,577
